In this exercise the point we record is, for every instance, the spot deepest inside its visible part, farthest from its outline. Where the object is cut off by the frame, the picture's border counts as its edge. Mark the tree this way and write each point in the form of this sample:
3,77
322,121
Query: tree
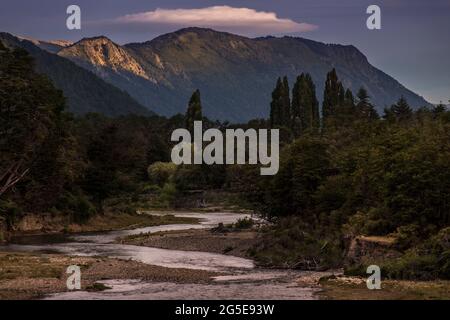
30,112
334,95
364,108
305,107
349,99
194,111
280,106
286,103
401,111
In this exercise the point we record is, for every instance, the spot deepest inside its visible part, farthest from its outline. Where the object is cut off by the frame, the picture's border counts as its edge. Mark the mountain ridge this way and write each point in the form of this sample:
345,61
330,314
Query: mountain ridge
235,74
85,92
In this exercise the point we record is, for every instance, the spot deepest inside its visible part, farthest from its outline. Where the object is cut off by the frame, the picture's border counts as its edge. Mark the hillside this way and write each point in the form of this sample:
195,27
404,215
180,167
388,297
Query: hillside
85,92
235,74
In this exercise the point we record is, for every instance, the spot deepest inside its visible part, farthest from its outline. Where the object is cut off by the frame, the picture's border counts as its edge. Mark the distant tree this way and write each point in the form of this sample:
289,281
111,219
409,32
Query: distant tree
280,107
275,112
334,95
286,106
364,107
194,111
349,98
439,109
305,106
400,111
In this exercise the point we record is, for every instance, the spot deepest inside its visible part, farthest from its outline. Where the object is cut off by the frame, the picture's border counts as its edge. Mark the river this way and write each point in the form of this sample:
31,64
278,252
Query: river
240,279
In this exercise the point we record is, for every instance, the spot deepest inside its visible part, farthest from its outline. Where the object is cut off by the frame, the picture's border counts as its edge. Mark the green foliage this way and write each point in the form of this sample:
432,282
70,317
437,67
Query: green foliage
400,112
294,244
78,206
194,111
167,195
305,107
334,95
245,223
280,107
160,173
10,212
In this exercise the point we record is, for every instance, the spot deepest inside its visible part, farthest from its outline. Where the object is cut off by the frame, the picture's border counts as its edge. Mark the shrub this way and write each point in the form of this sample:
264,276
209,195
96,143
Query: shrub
161,173
245,223
11,212
167,195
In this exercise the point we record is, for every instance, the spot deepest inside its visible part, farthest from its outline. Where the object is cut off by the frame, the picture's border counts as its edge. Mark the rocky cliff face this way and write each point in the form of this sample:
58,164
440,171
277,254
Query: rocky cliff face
102,55
235,74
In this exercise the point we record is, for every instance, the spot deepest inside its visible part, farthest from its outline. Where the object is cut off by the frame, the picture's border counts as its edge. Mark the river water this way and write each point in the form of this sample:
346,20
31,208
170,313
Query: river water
240,280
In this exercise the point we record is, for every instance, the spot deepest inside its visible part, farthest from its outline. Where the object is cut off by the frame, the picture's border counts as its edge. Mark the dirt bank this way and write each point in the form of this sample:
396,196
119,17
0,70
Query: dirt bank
43,224
30,276
355,288
236,243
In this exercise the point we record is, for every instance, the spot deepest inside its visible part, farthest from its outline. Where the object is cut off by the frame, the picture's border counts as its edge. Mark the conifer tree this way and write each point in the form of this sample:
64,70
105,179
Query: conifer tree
305,107
401,110
286,103
280,107
315,115
194,111
349,98
275,112
334,95
364,108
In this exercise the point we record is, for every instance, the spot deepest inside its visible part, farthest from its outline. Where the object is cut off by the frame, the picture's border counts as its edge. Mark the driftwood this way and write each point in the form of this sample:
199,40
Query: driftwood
12,176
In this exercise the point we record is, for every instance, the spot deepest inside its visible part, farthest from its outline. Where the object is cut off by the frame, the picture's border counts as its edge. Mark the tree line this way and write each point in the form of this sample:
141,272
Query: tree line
345,173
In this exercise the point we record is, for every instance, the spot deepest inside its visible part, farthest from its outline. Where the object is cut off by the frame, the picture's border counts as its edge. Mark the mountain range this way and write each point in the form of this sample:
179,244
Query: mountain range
85,92
235,74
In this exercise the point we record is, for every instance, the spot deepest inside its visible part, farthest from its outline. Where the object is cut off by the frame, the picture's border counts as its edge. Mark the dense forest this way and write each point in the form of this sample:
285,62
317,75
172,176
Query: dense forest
344,172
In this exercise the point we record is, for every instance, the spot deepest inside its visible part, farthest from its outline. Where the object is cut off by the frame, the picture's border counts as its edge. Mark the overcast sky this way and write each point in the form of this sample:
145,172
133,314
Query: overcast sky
413,44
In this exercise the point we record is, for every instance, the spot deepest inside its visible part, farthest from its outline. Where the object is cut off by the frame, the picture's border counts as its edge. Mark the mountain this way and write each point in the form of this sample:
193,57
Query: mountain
235,74
85,92
50,46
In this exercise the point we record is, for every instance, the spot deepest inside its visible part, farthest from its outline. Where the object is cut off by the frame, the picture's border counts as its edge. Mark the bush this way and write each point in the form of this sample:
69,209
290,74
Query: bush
161,173
412,266
291,243
245,223
11,212
167,195
78,206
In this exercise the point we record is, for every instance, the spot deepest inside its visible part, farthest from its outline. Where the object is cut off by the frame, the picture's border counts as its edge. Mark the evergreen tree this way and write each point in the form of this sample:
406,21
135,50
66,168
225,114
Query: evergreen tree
364,108
280,113
401,110
315,115
286,103
297,105
349,99
275,117
30,112
439,109
305,107
194,111
334,95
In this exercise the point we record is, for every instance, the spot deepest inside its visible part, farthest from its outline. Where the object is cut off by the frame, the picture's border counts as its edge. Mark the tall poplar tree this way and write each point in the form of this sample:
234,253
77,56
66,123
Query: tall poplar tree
334,95
280,107
194,111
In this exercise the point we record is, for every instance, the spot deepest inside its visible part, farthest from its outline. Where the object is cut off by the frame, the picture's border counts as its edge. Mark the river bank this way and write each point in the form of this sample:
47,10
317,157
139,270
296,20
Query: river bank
47,225
34,276
235,243
197,260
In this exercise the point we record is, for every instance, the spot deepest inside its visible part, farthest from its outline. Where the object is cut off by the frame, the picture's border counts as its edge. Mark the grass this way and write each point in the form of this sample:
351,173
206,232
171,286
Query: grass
23,265
355,289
